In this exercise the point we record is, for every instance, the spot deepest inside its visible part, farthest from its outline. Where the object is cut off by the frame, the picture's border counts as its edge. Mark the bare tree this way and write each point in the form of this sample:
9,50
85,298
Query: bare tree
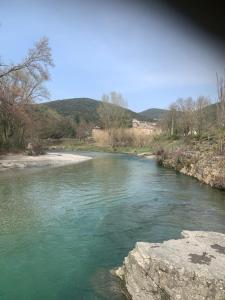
169,121
221,111
187,116
221,101
83,130
179,119
21,85
37,61
113,115
201,114
173,118
186,107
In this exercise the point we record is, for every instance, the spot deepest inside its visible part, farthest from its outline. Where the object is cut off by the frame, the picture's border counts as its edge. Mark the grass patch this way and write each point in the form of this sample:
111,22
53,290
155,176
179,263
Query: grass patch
77,145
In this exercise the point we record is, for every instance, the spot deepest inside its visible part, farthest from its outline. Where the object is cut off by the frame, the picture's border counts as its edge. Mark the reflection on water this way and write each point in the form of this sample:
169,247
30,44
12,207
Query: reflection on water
61,229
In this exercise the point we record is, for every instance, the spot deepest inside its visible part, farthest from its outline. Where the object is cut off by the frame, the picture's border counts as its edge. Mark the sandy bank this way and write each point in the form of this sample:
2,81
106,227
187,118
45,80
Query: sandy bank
50,159
148,155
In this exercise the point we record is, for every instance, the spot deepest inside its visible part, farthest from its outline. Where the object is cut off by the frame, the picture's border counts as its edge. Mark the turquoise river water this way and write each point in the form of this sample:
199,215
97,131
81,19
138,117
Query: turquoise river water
63,229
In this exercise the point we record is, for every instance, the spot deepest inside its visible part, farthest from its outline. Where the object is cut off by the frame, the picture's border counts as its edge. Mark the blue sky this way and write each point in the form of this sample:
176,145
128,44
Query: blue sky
147,53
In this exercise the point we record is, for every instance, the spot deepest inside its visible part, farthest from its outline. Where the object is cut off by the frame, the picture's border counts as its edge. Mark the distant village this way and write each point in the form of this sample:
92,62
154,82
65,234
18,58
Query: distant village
143,127
147,127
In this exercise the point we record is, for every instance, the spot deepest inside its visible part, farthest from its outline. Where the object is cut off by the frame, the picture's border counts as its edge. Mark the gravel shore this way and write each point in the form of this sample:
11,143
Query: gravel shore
21,161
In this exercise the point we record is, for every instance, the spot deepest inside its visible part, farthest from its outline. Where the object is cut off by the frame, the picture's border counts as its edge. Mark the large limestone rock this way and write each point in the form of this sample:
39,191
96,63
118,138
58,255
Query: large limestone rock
191,268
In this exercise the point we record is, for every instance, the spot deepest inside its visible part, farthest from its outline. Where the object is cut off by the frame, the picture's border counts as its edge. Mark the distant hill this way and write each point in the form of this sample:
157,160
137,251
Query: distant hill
158,113
153,113
84,108
77,108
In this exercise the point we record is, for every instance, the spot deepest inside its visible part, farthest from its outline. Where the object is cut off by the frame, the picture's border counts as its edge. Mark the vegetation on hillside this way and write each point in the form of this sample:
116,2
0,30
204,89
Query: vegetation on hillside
78,109
153,113
86,109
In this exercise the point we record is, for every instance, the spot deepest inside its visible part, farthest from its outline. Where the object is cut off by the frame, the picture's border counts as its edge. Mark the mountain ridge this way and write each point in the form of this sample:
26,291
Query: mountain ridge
153,113
85,109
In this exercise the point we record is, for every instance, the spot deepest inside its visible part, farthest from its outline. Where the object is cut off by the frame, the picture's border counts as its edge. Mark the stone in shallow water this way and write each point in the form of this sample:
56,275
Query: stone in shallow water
191,268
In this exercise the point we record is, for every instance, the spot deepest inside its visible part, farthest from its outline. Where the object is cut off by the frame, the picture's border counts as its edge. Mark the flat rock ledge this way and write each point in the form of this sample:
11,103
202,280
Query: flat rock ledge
191,268
49,159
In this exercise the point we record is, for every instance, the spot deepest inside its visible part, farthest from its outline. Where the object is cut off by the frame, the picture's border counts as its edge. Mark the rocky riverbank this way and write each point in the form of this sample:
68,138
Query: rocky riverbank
201,162
191,268
21,161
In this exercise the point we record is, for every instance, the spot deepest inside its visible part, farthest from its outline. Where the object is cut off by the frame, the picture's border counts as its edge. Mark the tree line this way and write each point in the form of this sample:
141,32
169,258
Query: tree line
187,117
198,117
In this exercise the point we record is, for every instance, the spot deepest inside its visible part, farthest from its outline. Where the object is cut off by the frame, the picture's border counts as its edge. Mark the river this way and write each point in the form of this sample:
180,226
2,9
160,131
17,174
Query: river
62,229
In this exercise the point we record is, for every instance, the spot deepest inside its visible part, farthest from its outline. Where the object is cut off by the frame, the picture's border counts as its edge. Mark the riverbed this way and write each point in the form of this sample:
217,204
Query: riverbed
62,229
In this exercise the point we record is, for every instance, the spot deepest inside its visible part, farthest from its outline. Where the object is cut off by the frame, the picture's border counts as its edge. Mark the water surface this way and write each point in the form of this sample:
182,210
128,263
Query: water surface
62,229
